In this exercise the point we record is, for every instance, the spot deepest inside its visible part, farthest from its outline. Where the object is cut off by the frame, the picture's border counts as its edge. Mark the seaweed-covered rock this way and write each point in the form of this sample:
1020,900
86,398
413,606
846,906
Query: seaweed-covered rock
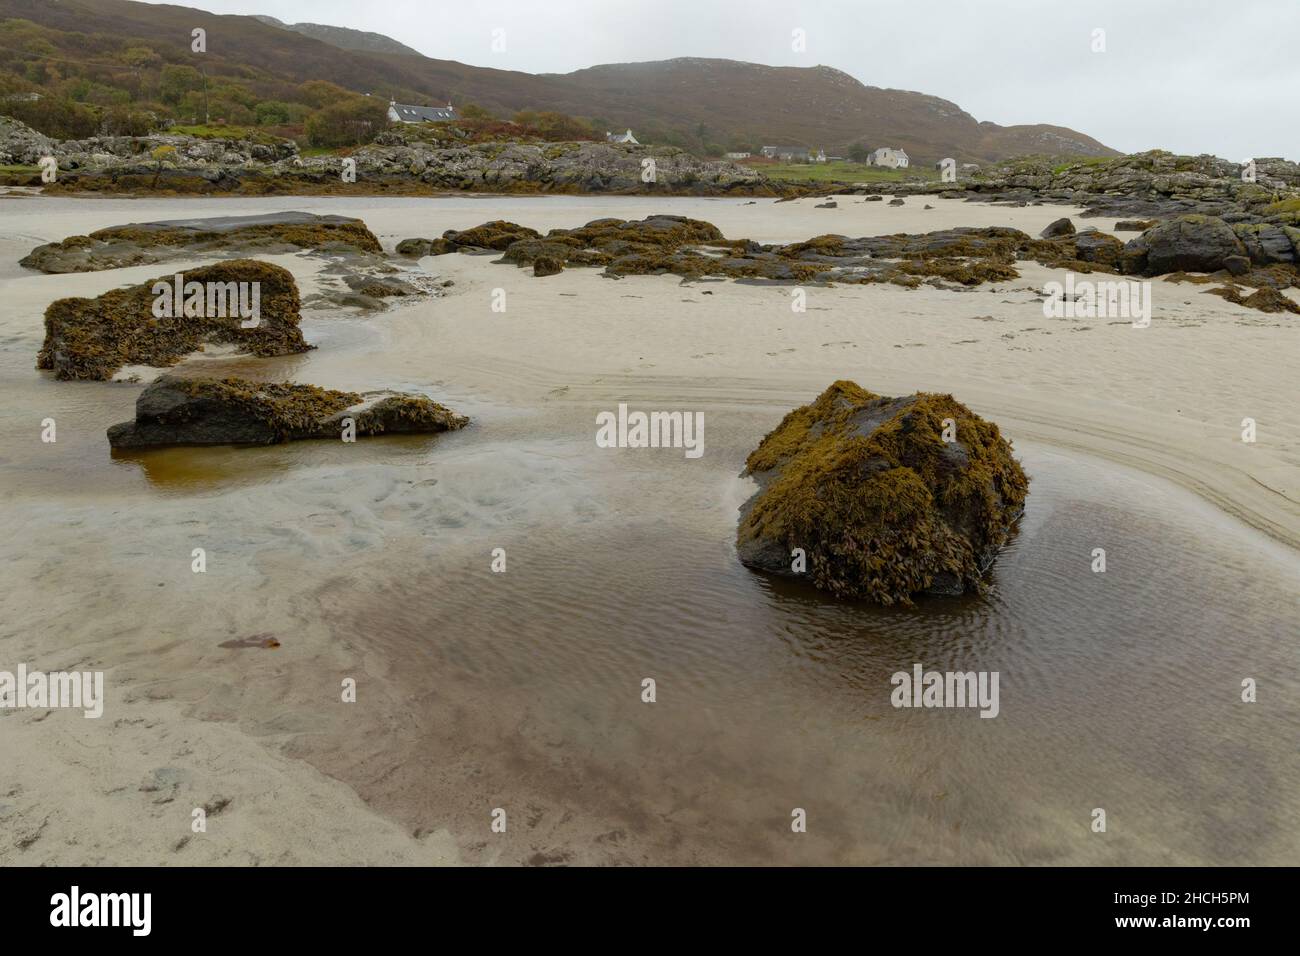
177,411
1098,247
882,506
94,338
491,235
148,242
548,266
1187,244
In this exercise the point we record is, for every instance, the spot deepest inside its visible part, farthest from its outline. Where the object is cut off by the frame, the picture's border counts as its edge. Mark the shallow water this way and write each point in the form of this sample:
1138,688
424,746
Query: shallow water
1118,690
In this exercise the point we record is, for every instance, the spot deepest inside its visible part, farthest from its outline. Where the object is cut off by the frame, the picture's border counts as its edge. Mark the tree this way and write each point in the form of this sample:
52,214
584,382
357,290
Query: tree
273,113
858,152
176,81
472,111
352,122
140,58
321,93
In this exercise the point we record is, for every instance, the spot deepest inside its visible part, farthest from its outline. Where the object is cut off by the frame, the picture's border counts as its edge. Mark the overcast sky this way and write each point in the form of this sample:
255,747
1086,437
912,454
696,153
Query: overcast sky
1192,76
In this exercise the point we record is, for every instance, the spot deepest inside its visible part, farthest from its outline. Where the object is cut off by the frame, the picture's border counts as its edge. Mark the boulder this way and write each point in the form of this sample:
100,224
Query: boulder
94,338
1236,265
547,266
1061,227
1099,247
881,505
1194,243
178,411
1266,243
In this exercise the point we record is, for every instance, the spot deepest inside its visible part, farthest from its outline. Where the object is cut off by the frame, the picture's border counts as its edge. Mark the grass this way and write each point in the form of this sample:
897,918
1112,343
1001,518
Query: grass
1082,161
251,133
842,171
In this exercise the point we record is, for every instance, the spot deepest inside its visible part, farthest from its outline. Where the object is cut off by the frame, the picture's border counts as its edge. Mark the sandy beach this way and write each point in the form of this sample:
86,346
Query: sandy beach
479,691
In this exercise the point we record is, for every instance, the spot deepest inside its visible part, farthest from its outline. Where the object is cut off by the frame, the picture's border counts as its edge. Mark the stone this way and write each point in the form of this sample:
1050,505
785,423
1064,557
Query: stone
179,411
1061,227
884,498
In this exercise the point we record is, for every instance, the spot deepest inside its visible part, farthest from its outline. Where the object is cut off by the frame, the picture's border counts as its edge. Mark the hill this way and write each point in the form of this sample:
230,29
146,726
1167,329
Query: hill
694,103
343,38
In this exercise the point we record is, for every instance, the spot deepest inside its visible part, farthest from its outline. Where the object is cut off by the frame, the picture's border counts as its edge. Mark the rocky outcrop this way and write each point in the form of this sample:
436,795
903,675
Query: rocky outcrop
143,243
884,497
692,248
20,145
401,161
95,338
177,411
1186,244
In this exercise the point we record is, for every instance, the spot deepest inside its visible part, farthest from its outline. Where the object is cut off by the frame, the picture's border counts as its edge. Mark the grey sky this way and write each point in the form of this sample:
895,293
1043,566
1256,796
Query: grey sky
1217,76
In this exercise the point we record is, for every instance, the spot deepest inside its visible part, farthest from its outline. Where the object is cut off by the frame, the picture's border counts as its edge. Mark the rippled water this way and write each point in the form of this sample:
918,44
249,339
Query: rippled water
1119,690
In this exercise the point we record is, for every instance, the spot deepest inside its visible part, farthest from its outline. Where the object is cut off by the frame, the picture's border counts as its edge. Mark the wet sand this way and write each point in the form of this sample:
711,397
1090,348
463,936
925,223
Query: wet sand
522,690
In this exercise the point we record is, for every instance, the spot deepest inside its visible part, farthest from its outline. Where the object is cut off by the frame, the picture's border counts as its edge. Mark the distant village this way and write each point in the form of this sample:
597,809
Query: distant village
887,157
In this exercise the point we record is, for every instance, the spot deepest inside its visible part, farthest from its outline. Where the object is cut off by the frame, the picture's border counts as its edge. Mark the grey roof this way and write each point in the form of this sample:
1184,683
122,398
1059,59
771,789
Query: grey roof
422,114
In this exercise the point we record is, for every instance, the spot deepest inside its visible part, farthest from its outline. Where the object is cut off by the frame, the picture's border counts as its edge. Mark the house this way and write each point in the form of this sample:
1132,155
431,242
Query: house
621,138
788,154
401,113
736,155
886,156
820,157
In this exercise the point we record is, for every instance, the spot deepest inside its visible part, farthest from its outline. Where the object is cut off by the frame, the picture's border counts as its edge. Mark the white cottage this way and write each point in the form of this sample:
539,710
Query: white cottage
888,157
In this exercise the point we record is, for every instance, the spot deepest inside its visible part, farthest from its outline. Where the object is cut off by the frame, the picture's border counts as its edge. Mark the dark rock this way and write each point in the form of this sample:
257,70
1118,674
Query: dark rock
177,411
1266,243
1134,225
1098,247
896,201
882,507
1188,244
827,205
1061,227
1236,265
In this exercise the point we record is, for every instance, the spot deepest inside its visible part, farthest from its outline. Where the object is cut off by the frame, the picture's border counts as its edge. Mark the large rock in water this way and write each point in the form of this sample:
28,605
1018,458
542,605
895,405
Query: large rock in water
1187,244
881,505
177,411
94,338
